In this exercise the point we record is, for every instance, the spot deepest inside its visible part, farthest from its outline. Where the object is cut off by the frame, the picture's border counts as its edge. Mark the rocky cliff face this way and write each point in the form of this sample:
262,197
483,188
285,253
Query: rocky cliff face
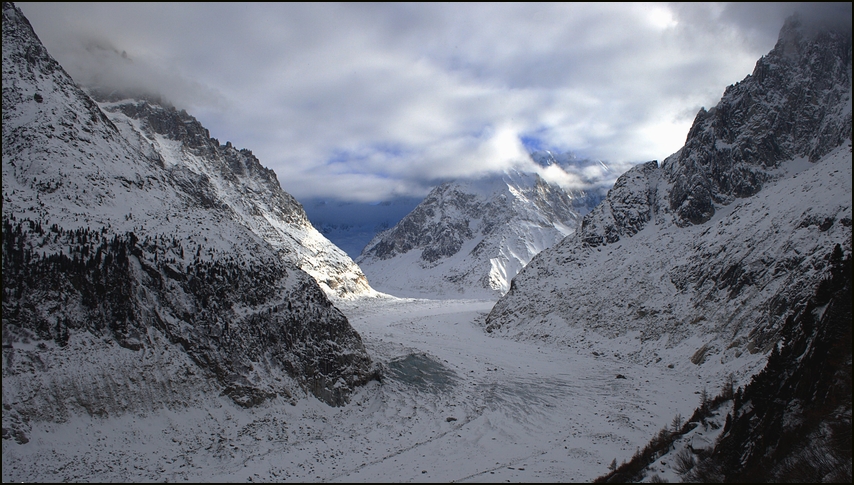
469,238
131,266
704,255
630,205
795,104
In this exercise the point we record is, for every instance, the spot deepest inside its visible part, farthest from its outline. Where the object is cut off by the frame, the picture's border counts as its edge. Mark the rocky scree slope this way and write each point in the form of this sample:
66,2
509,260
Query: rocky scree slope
706,254
790,423
128,282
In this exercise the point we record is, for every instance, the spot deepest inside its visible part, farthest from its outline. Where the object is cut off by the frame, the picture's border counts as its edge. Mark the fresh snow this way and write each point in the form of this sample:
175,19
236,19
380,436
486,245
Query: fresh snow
538,399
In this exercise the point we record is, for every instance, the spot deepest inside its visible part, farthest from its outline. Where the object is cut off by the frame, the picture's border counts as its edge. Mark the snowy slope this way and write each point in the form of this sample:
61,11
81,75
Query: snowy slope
710,251
471,237
114,249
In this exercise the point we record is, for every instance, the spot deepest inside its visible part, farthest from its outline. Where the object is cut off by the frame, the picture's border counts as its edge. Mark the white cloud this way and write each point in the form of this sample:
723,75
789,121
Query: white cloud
570,181
368,100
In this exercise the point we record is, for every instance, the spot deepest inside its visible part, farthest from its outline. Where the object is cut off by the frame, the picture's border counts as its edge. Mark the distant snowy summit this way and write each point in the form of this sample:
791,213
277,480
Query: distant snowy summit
353,225
468,238
706,253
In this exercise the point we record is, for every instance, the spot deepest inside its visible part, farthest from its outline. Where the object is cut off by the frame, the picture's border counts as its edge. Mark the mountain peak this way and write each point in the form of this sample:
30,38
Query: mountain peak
792,105
802,34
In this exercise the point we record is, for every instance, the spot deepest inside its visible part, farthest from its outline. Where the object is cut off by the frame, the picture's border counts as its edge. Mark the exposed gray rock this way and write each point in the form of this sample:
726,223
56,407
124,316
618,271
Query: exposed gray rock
630,204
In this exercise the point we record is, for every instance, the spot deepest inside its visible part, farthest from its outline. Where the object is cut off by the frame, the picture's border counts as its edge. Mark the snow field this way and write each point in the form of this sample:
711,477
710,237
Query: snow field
455,405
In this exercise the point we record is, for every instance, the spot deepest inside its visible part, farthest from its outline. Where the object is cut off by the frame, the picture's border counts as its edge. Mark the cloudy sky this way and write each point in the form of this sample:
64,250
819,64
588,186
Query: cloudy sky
366,102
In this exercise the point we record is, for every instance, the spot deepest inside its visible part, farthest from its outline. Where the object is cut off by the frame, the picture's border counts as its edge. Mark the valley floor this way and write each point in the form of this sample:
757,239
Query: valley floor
455,405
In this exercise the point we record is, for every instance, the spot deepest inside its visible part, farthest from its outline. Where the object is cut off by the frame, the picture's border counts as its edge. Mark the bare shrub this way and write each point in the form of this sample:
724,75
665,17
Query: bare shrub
810,465
676,424
684,461
728,389
706,471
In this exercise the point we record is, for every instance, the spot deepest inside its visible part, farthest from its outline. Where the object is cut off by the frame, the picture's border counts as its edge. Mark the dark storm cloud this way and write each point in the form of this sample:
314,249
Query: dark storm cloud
372,100
765,19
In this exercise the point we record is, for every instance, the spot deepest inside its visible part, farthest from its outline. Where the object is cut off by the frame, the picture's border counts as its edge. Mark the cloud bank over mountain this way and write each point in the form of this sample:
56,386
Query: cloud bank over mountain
366,102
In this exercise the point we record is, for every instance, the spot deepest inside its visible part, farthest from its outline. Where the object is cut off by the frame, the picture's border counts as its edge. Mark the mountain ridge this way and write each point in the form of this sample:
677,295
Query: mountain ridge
239,183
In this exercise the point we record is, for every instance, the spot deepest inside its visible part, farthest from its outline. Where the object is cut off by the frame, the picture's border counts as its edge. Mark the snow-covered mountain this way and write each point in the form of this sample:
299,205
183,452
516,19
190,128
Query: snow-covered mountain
707,253
145,265
353,225
470,237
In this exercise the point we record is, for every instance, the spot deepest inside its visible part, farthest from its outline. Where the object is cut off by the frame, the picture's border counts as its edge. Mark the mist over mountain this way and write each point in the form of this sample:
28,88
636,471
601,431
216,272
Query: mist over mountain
593,176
